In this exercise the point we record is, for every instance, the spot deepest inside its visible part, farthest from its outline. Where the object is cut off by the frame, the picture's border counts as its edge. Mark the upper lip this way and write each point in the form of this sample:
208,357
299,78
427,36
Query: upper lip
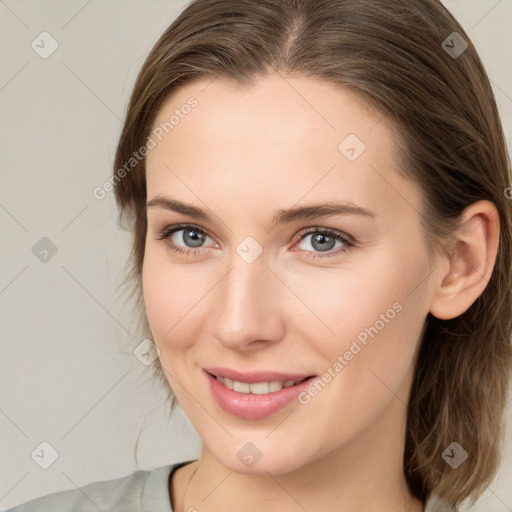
252,377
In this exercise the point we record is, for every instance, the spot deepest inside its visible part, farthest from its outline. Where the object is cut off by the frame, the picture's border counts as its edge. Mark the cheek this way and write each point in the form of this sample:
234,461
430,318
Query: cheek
371,319
354,303
172,295
372,369
378,316
367,365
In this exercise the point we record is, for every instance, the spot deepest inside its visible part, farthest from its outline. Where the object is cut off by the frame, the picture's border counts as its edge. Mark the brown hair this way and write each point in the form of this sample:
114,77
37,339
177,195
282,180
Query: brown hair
450,140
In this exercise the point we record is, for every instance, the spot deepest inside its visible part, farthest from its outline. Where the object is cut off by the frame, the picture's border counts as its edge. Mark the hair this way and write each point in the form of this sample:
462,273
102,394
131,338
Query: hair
449,140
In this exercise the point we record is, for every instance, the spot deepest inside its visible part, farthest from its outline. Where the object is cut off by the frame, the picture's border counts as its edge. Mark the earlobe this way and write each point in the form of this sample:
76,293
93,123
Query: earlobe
470,261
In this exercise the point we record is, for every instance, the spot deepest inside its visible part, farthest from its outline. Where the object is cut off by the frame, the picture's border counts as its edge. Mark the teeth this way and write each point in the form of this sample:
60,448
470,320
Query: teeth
257,388
275,385
260,388
241,387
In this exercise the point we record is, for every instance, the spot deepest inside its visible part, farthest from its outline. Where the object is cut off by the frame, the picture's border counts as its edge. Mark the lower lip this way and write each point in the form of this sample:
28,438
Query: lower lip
250,406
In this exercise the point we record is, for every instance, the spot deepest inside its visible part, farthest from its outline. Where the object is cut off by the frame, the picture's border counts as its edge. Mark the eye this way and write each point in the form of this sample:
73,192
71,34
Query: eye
184,238
323,241
188,239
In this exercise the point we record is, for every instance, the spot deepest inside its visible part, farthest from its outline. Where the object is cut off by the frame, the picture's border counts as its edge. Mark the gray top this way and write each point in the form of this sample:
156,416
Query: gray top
141,491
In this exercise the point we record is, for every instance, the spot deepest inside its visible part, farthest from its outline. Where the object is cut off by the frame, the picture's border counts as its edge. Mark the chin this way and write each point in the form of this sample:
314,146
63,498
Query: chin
249,460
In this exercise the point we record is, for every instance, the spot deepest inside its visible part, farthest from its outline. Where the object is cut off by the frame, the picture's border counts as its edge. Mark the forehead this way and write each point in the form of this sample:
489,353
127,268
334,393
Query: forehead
284,109
285,139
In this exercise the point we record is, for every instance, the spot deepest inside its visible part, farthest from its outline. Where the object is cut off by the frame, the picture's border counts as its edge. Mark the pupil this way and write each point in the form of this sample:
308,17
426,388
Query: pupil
320,239
192,238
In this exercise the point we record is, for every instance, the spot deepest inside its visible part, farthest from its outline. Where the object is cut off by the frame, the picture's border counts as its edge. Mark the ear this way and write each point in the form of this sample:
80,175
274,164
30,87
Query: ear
470,257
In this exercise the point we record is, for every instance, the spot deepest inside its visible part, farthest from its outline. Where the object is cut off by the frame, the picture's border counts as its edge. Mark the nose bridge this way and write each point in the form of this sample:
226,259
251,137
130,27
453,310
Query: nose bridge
247,304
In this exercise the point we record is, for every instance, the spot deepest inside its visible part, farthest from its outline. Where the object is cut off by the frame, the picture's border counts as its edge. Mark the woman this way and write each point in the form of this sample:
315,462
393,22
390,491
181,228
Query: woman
322,254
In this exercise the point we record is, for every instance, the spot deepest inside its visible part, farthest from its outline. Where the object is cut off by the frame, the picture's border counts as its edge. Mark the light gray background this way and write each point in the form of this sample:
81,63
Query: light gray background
67,374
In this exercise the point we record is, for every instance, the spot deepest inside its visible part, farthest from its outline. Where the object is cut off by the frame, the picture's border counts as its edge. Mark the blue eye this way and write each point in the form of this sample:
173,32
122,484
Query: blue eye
323,241
192,237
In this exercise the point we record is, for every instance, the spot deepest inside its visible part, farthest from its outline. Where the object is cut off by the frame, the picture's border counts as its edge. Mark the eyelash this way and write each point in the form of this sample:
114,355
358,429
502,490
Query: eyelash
191,252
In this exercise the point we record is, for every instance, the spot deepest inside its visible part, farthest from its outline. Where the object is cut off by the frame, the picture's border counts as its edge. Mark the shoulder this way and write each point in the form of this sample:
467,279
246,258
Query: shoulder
436,504
139,491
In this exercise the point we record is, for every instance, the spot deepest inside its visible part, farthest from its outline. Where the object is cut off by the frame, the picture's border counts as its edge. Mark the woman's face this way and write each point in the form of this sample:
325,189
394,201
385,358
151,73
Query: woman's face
236,291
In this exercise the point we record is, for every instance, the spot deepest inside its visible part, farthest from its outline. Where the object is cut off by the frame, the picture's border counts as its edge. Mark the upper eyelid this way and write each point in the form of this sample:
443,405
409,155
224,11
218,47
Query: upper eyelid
173,228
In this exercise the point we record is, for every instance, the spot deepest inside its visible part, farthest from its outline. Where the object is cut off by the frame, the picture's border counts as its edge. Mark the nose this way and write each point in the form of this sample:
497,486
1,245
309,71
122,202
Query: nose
248,315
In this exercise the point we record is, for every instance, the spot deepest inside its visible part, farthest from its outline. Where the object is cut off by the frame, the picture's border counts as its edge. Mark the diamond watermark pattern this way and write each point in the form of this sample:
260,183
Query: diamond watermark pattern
44,455
146,352
44,250
352,147
249,249
454,455
249,454
44,45
455,45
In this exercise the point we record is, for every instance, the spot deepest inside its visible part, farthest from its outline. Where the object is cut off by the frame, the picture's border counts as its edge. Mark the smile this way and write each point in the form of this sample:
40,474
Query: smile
266,394
257,388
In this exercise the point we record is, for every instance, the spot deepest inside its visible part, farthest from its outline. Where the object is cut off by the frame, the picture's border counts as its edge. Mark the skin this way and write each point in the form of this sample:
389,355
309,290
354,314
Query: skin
243,155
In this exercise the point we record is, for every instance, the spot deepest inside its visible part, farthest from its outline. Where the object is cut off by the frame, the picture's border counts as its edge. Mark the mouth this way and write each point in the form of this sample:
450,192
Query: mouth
257,395
258,388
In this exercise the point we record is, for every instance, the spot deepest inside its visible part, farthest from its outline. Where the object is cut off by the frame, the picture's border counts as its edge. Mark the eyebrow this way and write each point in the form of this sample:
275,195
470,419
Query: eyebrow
281,217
